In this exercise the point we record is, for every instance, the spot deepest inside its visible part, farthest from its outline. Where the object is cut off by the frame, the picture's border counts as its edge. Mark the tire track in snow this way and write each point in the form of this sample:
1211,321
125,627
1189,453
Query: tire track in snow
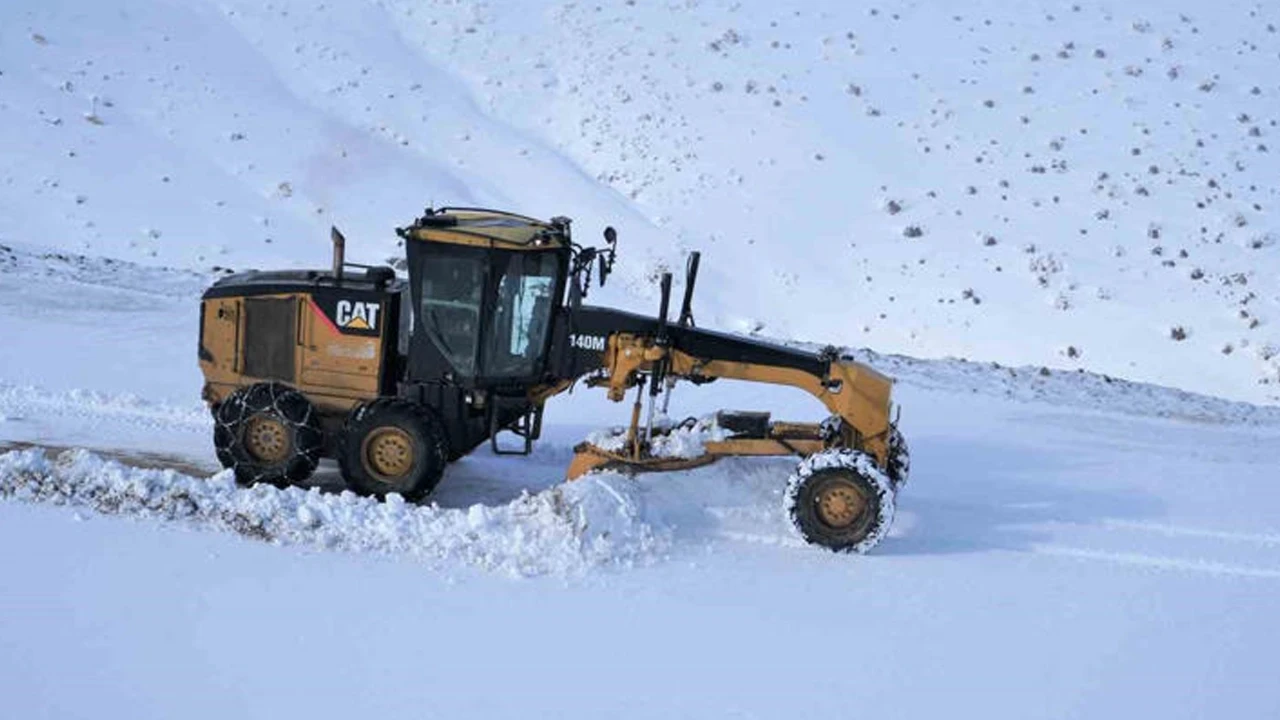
1159,562
1175,531
1173,560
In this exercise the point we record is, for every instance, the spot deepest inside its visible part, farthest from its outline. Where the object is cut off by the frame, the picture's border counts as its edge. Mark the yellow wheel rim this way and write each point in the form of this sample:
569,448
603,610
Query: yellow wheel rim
840,503
267,439
387,453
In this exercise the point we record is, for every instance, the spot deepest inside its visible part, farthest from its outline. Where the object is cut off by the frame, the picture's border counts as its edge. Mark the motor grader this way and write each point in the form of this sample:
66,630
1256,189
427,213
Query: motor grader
396,377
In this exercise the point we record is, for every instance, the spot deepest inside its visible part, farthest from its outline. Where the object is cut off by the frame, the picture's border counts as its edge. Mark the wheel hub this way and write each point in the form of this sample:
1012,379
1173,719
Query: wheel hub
388,453
840,503
266,438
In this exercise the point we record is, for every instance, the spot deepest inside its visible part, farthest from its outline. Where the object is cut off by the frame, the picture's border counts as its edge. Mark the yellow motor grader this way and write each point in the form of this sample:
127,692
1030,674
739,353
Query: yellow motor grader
394,378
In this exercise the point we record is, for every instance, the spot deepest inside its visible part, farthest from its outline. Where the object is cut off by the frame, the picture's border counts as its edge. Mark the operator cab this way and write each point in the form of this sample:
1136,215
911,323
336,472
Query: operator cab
485,287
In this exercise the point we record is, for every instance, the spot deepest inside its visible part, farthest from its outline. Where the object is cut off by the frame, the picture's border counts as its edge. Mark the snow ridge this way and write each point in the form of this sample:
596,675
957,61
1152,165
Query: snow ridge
563,531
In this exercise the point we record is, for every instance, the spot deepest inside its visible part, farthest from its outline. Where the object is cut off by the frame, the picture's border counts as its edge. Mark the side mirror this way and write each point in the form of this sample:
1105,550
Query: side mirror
606,260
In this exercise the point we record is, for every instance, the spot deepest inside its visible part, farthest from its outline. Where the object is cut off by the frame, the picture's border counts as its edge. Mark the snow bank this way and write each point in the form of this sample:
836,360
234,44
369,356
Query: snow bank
565,530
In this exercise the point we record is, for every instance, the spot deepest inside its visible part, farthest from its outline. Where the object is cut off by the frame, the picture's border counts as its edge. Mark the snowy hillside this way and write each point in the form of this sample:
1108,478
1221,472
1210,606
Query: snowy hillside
1074,201
1068,185
1074,186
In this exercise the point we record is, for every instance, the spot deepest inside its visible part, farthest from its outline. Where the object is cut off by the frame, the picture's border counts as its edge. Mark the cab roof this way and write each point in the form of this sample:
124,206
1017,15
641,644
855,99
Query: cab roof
479,226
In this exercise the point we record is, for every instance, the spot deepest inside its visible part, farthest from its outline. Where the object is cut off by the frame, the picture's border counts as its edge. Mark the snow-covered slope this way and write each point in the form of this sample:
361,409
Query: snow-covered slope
1074,185
1064,184
232,134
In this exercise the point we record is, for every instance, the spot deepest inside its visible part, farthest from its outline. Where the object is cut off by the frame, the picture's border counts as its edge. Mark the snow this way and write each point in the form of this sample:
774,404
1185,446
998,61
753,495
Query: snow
684,440
563,530
1088,569
1090,529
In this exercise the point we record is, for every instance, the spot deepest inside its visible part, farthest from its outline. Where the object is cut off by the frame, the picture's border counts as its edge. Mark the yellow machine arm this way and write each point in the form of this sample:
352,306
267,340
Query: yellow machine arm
853,392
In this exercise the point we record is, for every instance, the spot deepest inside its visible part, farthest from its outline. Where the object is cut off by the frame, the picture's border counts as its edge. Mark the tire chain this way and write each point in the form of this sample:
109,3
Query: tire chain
229,428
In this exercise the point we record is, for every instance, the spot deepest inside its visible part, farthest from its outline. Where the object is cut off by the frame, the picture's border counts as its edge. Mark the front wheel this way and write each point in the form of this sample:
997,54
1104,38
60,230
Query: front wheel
393,446
840,500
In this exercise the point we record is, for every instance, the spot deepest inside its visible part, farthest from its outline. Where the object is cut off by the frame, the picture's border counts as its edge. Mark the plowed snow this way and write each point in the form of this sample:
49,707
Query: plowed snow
562,531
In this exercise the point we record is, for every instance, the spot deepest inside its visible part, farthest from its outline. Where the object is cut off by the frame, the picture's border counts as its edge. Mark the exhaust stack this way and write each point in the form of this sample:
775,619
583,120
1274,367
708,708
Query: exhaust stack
339,252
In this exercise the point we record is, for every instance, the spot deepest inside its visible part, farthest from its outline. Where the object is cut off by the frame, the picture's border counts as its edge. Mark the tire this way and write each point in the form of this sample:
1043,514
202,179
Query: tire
268,433
899,458
393,446
840,500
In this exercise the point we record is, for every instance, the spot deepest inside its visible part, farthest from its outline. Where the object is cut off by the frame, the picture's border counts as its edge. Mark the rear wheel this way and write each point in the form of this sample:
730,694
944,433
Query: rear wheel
392,446
840,500
268,433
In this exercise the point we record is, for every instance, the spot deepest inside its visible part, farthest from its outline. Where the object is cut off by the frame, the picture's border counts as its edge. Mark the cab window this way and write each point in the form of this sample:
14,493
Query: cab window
522,314
452,294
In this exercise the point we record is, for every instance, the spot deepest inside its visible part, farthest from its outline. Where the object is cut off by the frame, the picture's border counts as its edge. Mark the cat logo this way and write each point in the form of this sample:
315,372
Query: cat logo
357,315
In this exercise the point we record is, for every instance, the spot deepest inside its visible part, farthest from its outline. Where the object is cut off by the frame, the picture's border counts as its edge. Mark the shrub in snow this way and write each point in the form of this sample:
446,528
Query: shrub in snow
728,39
